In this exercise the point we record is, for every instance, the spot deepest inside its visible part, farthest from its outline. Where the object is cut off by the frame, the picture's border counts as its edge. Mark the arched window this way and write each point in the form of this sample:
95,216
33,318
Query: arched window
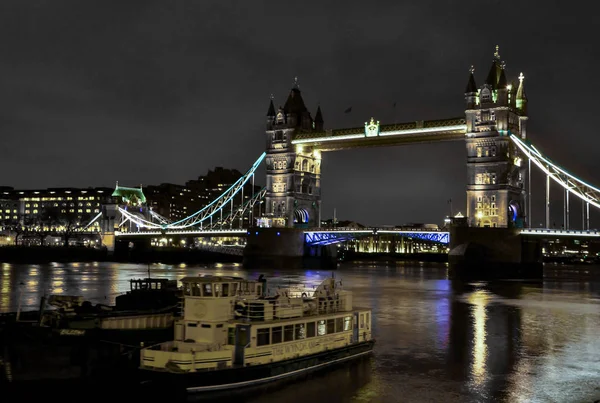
305,165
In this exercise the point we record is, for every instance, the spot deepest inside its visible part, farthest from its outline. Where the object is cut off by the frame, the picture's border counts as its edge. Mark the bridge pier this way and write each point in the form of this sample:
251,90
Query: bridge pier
478,253
282,248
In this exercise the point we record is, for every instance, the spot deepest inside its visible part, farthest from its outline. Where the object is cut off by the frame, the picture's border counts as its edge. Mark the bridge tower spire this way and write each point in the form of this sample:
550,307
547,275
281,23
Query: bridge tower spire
496,170
293,196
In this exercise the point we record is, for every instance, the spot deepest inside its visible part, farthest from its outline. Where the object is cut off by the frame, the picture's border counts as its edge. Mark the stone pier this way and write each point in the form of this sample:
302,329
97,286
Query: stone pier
478,253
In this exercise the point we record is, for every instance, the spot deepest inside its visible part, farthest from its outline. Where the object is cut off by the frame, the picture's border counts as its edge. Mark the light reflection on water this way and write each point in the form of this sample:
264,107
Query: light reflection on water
436,340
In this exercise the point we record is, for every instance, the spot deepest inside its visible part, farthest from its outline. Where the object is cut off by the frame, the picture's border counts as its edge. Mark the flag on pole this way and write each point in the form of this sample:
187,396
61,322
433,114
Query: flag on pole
348,110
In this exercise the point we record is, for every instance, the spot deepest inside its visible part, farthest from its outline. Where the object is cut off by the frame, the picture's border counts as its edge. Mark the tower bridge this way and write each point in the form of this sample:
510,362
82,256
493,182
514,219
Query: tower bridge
498,177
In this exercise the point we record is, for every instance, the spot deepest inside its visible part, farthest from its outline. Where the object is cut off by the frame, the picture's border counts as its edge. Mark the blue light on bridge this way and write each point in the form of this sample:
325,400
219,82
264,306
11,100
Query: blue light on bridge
332,237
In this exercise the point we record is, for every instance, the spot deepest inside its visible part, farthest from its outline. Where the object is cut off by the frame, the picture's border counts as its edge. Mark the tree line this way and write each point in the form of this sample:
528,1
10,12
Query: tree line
50,221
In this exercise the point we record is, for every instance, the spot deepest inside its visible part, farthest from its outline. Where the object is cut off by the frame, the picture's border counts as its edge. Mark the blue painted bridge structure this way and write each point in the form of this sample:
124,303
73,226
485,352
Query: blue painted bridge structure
333,236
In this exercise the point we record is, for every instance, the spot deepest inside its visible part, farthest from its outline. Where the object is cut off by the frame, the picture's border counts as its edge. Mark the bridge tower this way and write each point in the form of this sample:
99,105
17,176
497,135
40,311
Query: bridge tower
293,197
496,170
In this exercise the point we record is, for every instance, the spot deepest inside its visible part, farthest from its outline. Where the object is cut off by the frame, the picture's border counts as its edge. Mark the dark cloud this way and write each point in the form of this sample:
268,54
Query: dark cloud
153,91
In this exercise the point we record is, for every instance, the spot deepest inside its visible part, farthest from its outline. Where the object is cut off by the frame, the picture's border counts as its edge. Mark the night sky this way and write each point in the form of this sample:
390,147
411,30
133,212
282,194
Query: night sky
92,92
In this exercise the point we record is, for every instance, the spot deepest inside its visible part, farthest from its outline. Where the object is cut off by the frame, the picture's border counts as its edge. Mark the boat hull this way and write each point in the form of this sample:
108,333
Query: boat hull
241,378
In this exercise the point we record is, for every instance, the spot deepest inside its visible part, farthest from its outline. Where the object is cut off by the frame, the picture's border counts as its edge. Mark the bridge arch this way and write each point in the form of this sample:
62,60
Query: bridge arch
301,216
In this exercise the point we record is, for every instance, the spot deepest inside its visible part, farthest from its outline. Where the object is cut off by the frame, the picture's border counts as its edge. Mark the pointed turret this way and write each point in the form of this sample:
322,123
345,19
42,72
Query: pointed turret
471,86
271,115
494,74
521,97
271,111
295,109
471,90
319,119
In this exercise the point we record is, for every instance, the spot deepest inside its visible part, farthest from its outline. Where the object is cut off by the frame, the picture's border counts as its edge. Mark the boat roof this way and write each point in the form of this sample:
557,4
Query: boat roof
212,279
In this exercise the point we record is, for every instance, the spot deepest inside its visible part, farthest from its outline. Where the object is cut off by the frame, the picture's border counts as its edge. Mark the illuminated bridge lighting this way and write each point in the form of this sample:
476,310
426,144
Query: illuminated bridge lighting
182,232
555,232
337,236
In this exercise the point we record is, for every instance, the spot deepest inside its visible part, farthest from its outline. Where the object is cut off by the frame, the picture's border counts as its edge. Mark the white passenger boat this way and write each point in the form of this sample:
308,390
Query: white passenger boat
234,335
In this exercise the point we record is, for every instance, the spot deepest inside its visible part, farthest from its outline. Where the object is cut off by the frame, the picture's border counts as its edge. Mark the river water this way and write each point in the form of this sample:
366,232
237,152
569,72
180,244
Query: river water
436,341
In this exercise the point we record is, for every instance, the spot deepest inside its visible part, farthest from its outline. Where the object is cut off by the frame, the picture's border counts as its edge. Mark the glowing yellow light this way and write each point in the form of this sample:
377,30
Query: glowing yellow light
299,148
317,154
479,214
509,87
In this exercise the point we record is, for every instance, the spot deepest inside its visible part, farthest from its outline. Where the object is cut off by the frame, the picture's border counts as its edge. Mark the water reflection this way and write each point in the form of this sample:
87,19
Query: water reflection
436,340
479,300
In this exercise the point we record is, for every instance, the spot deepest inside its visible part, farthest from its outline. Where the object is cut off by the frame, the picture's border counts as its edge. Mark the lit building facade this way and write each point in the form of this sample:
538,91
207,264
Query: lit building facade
28,208
496,171
293,197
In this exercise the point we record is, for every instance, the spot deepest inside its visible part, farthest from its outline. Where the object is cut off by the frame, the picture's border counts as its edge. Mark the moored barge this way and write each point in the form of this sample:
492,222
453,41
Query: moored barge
234,335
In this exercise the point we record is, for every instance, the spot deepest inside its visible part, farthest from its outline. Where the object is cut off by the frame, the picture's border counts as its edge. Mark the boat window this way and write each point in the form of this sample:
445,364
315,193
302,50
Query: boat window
347,323
220,325
288,333
204,325
321,328
226,289
231,336
362,320
339,324
217,288
234,288
187,289
330,326
207,290
300,331
262,337
276,335
258,290
368,321
192,325
195,289
310,329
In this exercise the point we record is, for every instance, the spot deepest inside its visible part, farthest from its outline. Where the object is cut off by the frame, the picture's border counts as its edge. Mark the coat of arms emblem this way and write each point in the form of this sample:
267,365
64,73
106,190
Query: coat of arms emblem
372,128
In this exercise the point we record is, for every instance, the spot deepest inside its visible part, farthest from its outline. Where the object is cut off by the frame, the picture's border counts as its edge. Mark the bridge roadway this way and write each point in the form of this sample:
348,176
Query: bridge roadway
319,236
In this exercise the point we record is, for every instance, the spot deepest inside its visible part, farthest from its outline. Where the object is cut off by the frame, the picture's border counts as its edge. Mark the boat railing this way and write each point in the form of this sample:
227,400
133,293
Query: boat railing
287,307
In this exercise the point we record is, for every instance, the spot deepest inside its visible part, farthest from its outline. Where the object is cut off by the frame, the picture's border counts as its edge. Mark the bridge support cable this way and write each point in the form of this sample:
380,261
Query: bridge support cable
587,204
92,221
567,223
217,204
159,218
529,192
206,213
567,181
547,200
239,213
